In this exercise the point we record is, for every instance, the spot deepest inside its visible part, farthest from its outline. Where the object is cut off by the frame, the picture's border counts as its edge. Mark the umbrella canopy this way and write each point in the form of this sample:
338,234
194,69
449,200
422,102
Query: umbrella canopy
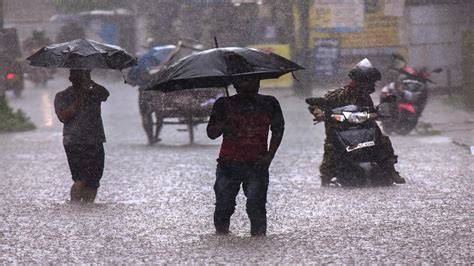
216,68
82,54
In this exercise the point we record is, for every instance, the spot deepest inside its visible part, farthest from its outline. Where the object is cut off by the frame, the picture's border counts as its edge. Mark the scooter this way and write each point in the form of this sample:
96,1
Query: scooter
355,137
13,78
411,100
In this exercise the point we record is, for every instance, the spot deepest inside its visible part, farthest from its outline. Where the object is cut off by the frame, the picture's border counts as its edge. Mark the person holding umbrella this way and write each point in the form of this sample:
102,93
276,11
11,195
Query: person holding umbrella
244,121
79,108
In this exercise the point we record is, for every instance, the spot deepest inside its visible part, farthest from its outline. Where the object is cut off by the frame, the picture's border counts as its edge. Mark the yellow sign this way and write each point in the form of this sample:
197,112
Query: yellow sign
283,50
378,30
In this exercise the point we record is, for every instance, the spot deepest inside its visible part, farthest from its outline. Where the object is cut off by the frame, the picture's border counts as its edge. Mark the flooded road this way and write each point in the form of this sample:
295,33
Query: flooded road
155,203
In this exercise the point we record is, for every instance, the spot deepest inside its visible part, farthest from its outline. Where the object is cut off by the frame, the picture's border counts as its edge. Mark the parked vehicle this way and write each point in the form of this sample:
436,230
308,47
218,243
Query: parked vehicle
10,66
411,92
189,108
355,138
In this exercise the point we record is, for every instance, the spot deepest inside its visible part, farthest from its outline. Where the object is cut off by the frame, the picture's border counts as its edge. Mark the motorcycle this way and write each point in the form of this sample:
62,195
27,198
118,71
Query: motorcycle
355,137
14,80
411,99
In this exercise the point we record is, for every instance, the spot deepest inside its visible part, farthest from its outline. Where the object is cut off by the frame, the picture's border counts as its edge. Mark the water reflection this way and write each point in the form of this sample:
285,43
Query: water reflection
47,109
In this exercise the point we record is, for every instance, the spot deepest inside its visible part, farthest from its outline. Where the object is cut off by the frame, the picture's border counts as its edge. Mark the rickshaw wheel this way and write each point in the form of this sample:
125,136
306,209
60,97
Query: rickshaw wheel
191,132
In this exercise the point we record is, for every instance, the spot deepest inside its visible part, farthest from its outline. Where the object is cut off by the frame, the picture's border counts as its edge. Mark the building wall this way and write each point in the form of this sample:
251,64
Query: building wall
357,31
433,35
28,15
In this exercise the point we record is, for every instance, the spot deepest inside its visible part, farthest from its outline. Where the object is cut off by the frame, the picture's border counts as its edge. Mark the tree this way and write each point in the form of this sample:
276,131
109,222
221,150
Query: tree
9,120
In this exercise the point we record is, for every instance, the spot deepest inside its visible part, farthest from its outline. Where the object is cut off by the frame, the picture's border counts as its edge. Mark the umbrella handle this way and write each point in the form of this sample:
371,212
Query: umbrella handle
293,75
123,75
217,46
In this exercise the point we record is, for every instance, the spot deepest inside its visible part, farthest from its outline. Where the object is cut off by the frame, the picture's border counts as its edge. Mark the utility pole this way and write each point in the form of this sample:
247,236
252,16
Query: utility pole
2,74
303,54
2,4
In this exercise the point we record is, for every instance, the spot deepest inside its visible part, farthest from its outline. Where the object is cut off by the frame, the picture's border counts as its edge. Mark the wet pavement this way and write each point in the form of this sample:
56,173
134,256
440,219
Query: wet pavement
155,204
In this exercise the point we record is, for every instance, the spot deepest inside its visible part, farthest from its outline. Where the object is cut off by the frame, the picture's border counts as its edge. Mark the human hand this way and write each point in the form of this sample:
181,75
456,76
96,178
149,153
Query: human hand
317,113
264,162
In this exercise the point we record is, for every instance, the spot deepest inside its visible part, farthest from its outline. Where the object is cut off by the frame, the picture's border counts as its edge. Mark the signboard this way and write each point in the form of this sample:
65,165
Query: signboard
377,30
285,81
326,55
394,8
339,16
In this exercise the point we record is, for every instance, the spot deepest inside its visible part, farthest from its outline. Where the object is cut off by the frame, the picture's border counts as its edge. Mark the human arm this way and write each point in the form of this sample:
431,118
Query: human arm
101,92
277,128
275,141
66,111
317,113
215,127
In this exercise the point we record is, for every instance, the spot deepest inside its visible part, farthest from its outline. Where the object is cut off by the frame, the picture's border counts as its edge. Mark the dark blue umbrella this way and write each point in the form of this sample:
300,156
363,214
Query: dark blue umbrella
140,74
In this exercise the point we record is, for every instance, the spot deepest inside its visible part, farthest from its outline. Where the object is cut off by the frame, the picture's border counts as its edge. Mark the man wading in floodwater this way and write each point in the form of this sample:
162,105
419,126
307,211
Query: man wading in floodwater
244,121
78,107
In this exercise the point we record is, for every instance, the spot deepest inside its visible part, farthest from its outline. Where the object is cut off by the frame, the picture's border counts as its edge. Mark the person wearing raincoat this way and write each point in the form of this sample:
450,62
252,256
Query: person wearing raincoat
363,78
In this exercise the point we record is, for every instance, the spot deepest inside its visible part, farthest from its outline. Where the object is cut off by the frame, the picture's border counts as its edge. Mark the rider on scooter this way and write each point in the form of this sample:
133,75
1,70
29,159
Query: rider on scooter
357,92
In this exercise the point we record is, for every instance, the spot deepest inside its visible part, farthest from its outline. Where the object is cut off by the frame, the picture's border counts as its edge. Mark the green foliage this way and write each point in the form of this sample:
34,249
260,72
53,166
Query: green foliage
71,6
11,121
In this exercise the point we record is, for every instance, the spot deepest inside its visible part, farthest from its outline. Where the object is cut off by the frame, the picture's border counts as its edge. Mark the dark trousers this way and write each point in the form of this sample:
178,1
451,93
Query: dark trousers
86,162
229,177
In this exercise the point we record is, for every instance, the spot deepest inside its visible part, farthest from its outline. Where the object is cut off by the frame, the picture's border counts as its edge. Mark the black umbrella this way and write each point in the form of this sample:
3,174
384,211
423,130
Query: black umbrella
217,67
82,54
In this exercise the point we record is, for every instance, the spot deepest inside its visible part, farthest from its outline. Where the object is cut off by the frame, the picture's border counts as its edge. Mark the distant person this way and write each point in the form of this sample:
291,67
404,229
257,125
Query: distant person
79,108
244,120
150,104
36,41
38,75
70,31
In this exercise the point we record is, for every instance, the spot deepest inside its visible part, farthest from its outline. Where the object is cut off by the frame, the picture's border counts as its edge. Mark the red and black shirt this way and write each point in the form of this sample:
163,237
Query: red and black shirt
247,120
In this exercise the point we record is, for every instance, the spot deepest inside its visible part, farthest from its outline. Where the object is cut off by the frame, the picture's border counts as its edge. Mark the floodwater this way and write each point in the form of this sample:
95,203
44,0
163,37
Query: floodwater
155,203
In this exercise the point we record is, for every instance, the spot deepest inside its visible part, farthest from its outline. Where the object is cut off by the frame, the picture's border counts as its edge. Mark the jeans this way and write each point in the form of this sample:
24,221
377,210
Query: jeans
229,176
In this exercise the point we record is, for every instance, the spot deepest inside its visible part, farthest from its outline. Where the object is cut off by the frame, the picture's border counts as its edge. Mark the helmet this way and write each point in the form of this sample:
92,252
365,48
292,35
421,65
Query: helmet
365,72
